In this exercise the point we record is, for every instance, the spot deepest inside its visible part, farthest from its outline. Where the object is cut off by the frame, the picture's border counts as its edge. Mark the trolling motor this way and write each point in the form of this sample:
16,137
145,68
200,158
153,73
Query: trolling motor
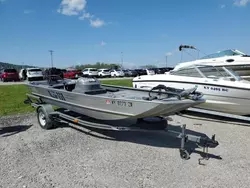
164,90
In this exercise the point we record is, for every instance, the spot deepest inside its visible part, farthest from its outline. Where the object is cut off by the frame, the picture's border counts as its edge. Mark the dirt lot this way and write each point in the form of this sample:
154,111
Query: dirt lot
71,157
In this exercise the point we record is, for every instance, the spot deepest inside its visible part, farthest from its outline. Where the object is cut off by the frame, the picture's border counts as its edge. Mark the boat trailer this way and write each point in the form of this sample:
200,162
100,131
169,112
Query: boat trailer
48,117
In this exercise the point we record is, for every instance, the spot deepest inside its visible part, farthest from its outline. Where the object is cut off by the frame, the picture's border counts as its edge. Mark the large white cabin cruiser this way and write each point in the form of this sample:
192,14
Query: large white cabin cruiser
223,89
234,59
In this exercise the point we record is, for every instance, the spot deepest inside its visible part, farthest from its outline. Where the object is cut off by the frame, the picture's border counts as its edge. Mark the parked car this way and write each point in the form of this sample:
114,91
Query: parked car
150,71
53,72
141,72
34,74
117,73
90,72
156,70
104,73
72,73
23,74
169,69
164,69
63,70
130,73
9,75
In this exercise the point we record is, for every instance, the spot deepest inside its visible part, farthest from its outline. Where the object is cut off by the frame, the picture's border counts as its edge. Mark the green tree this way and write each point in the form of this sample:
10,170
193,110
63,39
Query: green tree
97,65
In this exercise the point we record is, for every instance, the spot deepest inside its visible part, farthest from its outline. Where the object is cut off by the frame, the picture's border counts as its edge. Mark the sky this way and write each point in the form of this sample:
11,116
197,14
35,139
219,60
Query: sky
131,32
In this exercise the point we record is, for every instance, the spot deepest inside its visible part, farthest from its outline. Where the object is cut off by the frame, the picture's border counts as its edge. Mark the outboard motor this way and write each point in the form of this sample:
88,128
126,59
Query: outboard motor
88,86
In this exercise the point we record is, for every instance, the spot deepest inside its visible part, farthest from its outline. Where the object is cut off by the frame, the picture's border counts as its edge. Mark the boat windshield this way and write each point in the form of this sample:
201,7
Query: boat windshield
212,72
187,71
205,71
233,73
223,53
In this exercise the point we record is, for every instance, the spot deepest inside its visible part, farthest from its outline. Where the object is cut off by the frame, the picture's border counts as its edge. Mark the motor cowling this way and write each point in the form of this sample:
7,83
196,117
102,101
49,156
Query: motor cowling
87,85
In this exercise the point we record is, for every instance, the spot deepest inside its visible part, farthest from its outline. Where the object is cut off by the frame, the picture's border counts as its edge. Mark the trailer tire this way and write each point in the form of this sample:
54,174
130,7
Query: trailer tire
184,154
43,119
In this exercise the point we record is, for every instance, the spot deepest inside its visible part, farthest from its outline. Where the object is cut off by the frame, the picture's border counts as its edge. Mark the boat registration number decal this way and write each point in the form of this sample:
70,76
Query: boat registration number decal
124,103
120,103
57,95
216,88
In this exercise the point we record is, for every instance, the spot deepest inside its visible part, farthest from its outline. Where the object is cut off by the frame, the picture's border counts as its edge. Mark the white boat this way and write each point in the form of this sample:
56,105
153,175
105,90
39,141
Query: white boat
234,59
223,89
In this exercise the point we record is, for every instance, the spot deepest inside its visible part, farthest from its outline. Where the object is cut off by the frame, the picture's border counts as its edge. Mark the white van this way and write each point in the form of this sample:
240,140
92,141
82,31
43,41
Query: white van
117,73
90,72
34,74
104,73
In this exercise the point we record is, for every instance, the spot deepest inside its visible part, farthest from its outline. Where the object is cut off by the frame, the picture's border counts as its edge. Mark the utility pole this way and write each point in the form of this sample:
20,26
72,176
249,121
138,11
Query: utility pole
51,56
166,61
122,59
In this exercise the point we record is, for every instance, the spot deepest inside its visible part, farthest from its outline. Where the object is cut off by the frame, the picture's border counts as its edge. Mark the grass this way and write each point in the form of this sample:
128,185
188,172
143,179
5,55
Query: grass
11,100
125,82
12,97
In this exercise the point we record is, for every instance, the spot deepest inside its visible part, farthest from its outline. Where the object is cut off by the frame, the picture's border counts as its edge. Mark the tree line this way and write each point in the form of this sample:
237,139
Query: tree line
99,65
12,66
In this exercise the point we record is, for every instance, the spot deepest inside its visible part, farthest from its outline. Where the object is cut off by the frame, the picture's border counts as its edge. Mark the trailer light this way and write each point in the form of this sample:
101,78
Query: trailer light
76,120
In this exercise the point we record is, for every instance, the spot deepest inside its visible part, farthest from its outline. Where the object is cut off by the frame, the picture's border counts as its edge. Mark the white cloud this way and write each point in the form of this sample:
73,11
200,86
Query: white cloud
97,23
77,7
28,11
241,3
86,16
222,6
103,43
72,7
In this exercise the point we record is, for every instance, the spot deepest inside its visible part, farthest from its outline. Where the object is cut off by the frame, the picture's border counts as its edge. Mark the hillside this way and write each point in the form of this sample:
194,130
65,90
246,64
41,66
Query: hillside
9,65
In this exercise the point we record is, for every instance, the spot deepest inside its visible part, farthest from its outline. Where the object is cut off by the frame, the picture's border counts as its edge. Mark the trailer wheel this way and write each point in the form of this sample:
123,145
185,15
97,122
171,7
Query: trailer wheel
184,154
44,121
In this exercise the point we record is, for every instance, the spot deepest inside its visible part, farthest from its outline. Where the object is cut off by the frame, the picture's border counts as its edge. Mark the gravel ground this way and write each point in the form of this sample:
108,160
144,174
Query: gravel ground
71,157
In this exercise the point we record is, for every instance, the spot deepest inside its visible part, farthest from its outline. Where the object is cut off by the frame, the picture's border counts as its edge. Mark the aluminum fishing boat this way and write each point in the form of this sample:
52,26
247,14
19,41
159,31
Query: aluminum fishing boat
87,96
223,89
97,107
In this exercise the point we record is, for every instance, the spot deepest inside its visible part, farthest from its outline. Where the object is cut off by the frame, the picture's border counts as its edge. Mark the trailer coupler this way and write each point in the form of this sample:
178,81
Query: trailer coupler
204,142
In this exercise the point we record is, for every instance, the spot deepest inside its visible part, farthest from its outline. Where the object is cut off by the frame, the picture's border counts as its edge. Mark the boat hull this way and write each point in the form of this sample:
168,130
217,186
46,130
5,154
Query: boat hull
110,107
219,97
